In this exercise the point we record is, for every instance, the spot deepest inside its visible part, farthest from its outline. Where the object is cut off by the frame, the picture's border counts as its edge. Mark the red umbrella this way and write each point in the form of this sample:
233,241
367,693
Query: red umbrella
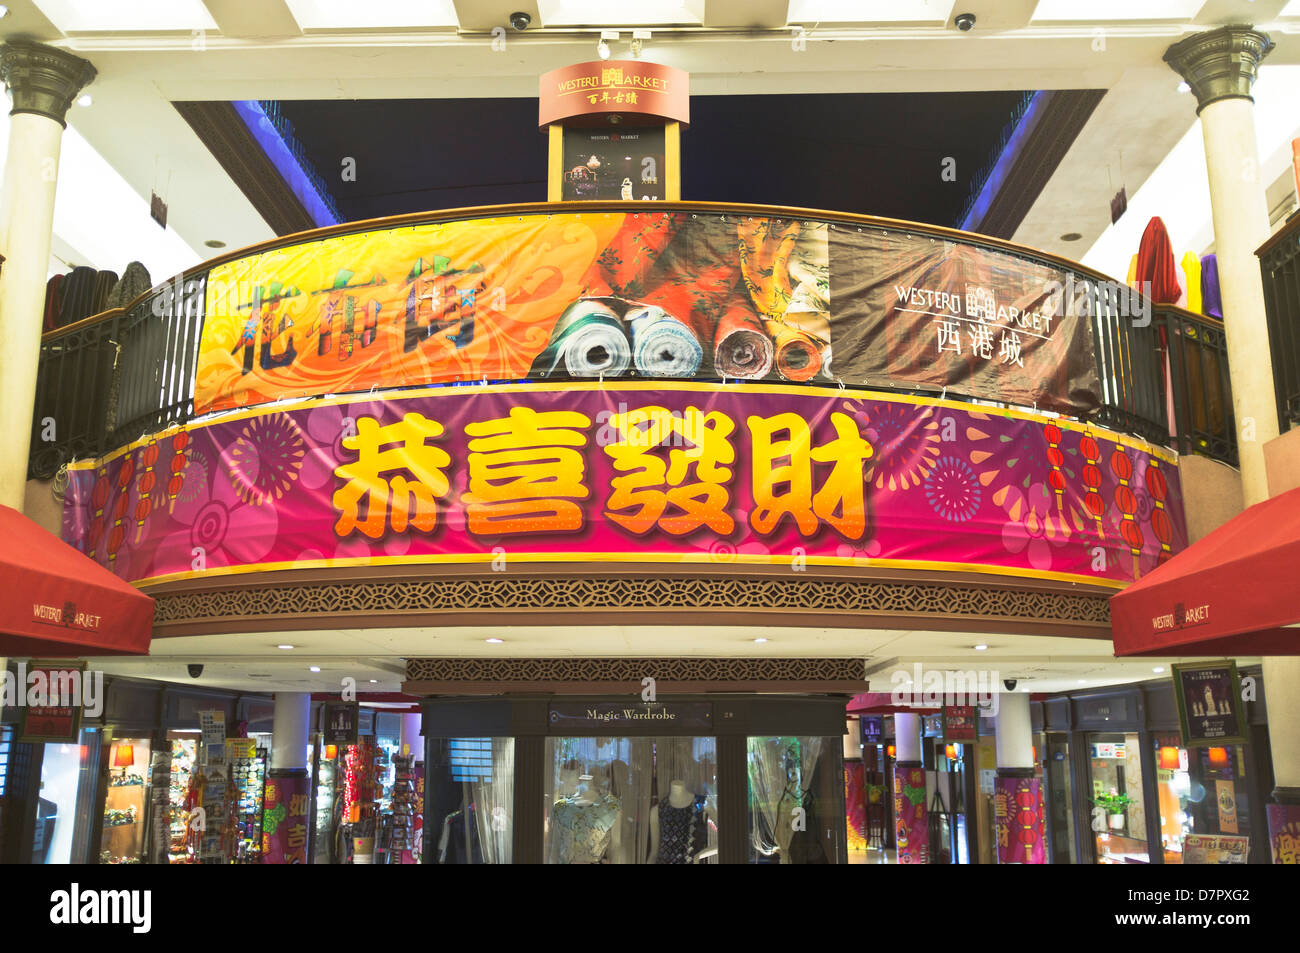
58,603
1231,593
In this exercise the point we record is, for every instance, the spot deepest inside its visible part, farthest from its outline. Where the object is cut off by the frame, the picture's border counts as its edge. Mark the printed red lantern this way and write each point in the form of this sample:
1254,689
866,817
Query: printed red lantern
1056,479
177,465
1126,500
1161,525
1092,500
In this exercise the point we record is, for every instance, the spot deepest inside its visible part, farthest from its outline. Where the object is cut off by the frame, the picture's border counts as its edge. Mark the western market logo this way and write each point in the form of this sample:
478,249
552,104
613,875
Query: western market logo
1181,617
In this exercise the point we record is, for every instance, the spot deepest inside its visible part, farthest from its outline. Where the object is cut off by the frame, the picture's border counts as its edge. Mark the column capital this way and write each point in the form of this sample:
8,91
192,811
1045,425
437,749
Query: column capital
1219,64
41,79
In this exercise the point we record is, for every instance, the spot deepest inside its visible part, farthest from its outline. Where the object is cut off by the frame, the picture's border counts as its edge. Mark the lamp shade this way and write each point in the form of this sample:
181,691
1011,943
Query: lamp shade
891,751
124,756
1218,756
1169,758
331,752
951,752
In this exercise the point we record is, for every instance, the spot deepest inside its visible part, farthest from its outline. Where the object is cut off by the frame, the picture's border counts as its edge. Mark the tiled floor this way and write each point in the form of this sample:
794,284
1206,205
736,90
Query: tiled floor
872,857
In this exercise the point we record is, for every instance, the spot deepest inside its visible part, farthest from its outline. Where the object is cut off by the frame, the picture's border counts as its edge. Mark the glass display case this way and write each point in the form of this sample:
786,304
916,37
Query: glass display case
122,835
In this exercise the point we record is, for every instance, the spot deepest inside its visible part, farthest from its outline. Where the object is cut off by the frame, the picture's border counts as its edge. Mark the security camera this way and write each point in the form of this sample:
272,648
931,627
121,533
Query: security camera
520,20
965,22
1010,684
195,670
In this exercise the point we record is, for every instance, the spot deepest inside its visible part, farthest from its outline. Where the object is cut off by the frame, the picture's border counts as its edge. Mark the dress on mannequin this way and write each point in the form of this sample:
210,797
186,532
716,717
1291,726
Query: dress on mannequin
583,827
677,826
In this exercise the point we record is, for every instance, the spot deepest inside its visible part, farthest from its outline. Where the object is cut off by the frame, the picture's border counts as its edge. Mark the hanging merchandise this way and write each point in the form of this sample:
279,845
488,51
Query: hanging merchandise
1211,301
357,832
1156,264
401,839
1191,266
248,775
181,839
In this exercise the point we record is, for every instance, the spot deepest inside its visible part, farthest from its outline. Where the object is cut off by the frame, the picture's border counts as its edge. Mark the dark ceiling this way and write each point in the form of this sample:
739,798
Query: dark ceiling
874,153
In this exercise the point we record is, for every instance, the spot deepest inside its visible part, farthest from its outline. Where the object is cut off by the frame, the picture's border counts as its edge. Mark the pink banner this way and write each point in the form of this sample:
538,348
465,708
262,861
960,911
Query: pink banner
1284,832
666,472
911,828
1018,820
284,820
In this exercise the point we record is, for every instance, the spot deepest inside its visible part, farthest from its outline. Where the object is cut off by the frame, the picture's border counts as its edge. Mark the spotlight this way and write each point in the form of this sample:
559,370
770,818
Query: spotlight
638,41
602,48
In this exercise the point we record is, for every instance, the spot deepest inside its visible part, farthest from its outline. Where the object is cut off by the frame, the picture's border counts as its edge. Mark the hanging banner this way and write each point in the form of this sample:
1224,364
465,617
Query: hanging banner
284,819
641,294
912,830
683,473
1018,820
961,724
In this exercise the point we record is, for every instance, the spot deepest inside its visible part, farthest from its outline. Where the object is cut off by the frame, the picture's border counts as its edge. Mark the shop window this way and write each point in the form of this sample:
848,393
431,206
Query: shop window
793,800
122,835
1117,812
471,797
64,805
631,801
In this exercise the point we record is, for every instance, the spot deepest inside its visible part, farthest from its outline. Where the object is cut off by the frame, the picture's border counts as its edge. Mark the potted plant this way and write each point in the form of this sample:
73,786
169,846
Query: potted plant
1114,804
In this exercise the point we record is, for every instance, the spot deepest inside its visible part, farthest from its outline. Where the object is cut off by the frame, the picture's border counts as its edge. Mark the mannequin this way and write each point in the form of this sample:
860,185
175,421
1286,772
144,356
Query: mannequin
673,825
585,826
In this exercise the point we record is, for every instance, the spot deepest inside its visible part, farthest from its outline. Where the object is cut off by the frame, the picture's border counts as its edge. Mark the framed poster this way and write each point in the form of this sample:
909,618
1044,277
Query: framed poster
59,685
960,724
873,729
1209,704
614,163
341,722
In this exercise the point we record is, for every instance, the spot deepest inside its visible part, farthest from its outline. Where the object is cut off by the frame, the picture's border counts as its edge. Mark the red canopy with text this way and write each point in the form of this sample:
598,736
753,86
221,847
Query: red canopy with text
1235,592
55,602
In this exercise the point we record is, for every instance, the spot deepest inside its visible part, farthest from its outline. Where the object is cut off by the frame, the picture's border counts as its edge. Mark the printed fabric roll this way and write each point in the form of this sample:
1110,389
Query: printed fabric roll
589,341
798,353
662,346
742,348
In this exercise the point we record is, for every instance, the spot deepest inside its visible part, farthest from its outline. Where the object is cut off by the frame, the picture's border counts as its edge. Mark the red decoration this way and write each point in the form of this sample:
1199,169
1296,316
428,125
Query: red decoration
1055,479
144,486
1126,500
1092,500
1161,524
177,466
98,499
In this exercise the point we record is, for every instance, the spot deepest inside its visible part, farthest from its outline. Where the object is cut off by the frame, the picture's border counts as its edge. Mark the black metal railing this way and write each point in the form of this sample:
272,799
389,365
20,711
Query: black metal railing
1279,260
115,377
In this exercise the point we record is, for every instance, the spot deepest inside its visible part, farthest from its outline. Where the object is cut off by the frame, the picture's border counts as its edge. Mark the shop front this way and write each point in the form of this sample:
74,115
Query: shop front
1124,786
608,779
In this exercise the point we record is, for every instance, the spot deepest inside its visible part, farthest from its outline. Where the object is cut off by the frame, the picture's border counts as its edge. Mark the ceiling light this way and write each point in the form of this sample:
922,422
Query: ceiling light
285,647
1083,681
638,41
84,99
314,668
981,648
494,641
374,681
4,11
602,48
1183,87
760,641
1159,669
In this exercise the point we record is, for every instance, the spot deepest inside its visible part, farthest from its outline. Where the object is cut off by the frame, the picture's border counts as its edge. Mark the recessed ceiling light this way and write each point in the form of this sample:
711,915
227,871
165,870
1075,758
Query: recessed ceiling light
1183,87
494,641
374,681
1159,669
760,641
285,647
1083,681
1071,237
314,668
215,243
84,99
981,648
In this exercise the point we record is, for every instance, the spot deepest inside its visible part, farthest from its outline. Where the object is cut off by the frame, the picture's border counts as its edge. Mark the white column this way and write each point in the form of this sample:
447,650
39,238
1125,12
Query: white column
1013,731
290,730
1241,226
907,738
1282,685
411,739
42,82
1221,66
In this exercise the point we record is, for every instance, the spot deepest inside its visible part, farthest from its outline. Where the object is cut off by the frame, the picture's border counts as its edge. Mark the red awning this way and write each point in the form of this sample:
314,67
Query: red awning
883,703
55,602
1232,593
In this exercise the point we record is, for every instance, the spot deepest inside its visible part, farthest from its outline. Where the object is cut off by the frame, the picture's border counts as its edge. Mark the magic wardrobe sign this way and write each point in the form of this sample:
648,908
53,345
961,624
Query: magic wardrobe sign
607,715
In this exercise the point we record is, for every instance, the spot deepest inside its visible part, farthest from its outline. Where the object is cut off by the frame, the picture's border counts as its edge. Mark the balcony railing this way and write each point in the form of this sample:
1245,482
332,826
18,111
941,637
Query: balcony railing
1279,260
114,377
